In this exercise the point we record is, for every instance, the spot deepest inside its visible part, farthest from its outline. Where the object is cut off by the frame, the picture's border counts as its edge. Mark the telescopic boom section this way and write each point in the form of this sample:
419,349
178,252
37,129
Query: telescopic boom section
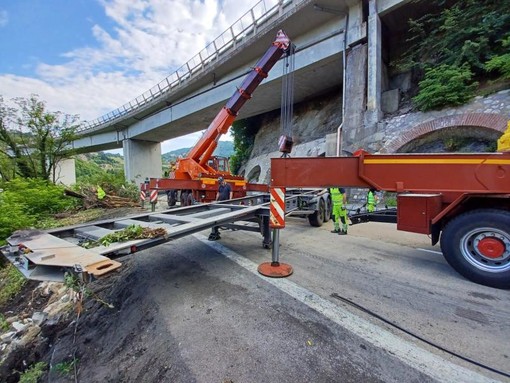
196,160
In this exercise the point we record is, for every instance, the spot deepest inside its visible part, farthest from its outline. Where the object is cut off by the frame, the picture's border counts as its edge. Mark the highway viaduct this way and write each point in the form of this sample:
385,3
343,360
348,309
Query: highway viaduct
339,43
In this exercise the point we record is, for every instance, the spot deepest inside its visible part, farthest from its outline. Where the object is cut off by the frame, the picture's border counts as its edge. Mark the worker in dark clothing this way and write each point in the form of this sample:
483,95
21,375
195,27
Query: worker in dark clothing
224,193
339,211
224,190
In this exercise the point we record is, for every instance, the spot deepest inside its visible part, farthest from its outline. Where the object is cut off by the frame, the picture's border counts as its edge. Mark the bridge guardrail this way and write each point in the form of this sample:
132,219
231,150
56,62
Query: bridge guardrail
262,13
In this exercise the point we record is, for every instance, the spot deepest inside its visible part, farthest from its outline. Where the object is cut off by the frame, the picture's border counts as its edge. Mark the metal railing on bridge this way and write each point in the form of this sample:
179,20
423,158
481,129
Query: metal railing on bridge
264,12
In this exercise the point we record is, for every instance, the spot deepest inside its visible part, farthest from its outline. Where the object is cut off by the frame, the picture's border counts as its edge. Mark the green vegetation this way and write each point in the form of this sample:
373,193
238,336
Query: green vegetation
26,202
66,367
244,132
390,199
11,282
129,233
32,374
501,63
455,46
4,325
93,165
445,85
224,149
112,182
33,141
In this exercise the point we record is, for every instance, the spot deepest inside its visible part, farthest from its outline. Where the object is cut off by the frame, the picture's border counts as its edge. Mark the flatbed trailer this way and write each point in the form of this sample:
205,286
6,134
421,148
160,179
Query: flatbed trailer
461,200
48,254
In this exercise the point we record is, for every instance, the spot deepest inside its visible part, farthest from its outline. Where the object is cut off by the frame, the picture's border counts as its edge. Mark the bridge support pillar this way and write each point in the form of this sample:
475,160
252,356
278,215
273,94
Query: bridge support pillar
142,159
374,85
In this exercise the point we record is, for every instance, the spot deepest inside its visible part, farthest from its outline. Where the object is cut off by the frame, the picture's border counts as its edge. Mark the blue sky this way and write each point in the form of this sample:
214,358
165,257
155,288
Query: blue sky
88,57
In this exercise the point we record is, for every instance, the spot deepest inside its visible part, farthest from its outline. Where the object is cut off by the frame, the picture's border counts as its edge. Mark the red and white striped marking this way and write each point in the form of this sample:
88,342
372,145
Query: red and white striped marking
277,208
154,196
142,195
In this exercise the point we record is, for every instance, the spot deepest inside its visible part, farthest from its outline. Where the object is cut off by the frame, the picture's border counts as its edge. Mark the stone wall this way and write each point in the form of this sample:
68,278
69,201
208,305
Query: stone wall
491,112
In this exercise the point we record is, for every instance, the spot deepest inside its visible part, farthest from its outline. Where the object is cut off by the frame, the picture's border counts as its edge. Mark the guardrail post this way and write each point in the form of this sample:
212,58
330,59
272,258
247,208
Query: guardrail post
154,200
276,269
144,187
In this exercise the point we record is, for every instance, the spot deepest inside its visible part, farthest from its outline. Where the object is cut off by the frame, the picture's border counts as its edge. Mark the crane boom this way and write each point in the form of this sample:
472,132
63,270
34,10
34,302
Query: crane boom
196,161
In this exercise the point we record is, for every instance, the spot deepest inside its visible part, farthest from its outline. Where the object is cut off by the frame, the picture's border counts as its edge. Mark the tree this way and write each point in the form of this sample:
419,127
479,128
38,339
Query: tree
458,32
501,63
466,39
244,132
445,85
34,139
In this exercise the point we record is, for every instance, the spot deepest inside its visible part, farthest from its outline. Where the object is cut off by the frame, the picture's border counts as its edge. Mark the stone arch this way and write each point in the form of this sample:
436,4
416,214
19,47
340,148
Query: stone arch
254,174
491,121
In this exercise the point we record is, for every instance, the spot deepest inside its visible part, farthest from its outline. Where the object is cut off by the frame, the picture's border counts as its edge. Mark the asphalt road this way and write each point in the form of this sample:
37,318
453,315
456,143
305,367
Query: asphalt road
411,318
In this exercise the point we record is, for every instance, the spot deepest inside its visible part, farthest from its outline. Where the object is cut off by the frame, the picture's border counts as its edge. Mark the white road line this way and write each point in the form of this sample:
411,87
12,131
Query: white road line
429,251
409,353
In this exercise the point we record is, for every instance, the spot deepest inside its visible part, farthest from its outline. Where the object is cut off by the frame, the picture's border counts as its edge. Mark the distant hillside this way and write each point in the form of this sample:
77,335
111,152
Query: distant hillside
92,163
224,149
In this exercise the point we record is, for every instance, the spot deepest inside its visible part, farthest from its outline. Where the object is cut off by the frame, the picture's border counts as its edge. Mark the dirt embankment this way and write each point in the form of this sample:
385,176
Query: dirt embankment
44,315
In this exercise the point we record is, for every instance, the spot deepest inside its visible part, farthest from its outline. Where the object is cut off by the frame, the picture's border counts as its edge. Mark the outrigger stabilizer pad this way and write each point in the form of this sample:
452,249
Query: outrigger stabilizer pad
275,269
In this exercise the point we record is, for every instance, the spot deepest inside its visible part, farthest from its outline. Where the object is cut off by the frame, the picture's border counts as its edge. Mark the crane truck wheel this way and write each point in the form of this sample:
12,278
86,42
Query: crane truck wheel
329,209
184,198
317,219
171,197
477,245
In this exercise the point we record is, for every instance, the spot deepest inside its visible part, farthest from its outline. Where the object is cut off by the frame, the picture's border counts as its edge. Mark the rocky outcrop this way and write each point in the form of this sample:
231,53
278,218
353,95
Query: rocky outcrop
312,122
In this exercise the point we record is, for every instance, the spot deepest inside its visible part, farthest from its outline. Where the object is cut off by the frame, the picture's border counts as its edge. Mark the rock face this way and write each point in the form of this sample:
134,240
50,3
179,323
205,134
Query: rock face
312,122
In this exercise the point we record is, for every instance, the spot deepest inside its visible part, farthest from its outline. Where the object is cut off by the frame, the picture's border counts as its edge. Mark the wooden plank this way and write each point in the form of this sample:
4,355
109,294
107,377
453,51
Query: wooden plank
101,268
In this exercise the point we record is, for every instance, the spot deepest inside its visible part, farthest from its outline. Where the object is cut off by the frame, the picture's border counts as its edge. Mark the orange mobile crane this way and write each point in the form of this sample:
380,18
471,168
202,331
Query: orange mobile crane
461,200
195,177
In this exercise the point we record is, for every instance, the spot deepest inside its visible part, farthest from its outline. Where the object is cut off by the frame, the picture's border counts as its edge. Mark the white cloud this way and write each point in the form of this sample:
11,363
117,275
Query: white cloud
151,39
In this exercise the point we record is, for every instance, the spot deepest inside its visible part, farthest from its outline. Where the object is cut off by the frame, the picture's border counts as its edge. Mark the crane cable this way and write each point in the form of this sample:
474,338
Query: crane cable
466,359
287,101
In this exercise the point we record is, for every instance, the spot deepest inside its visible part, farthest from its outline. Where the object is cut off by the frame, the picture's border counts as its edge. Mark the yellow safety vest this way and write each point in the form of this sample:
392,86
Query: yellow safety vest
336,197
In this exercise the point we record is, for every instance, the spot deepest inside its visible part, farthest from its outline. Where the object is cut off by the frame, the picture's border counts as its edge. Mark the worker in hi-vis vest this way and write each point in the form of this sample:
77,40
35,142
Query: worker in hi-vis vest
339,211
371,201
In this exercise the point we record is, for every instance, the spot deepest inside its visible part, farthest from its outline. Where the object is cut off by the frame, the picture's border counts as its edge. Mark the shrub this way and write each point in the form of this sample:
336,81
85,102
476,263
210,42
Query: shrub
244,132
112,182
39,197
445,85
501,62
12,281
4,325
32,374
13,216
27,202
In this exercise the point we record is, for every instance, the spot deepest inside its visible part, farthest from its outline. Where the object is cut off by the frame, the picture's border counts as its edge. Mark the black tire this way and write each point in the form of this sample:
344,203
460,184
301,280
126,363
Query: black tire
329,210
184,198
477,245
316,219
171,198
